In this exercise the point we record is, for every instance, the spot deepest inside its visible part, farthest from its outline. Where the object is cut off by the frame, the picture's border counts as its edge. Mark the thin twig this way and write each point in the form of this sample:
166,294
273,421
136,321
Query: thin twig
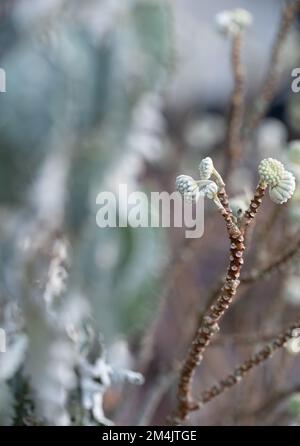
234,143
264,233
265,409
223,197
276,265
271,80
253,208
243,339
243,369
256,274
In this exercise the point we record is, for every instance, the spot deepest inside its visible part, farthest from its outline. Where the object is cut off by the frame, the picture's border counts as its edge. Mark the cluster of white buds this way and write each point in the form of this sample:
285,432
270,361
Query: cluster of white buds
192,189
234,21
209,190
280,181
188,188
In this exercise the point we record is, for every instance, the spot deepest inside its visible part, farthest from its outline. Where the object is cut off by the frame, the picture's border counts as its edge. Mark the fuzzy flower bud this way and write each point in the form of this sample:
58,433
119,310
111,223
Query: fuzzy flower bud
208,189
206,168
233,22
284,189
239,205
271,171
188,188
281,182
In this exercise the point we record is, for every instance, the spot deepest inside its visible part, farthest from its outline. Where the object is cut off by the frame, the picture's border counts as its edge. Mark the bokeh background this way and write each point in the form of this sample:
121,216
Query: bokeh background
108,92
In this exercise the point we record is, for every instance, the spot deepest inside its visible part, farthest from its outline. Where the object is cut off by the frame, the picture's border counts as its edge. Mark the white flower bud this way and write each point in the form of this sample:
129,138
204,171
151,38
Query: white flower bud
206,168
233,22
242,17
188,188
293,345
271,171
239,205
225,24
284,190
208,189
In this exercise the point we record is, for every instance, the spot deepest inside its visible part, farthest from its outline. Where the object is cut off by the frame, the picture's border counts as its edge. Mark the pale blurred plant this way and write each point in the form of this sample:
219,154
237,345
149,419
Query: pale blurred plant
294,408
100,72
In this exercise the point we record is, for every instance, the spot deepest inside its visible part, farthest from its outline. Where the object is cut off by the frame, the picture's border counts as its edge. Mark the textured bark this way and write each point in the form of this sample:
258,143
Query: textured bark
210,322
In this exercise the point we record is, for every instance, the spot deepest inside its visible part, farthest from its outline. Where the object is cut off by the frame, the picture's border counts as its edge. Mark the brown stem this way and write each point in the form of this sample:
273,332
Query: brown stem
255,360
271,81
256,274
253,207
234,143
210,322
223,197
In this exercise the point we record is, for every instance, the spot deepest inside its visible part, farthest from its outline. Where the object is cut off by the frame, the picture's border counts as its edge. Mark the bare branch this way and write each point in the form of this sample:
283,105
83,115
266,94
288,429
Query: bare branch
271,81
276,265
255,360
210,322
234,143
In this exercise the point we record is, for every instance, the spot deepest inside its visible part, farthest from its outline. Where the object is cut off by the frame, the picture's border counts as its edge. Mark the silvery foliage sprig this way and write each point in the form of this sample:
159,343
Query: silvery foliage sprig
16,346
46,341
95,379
53,316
